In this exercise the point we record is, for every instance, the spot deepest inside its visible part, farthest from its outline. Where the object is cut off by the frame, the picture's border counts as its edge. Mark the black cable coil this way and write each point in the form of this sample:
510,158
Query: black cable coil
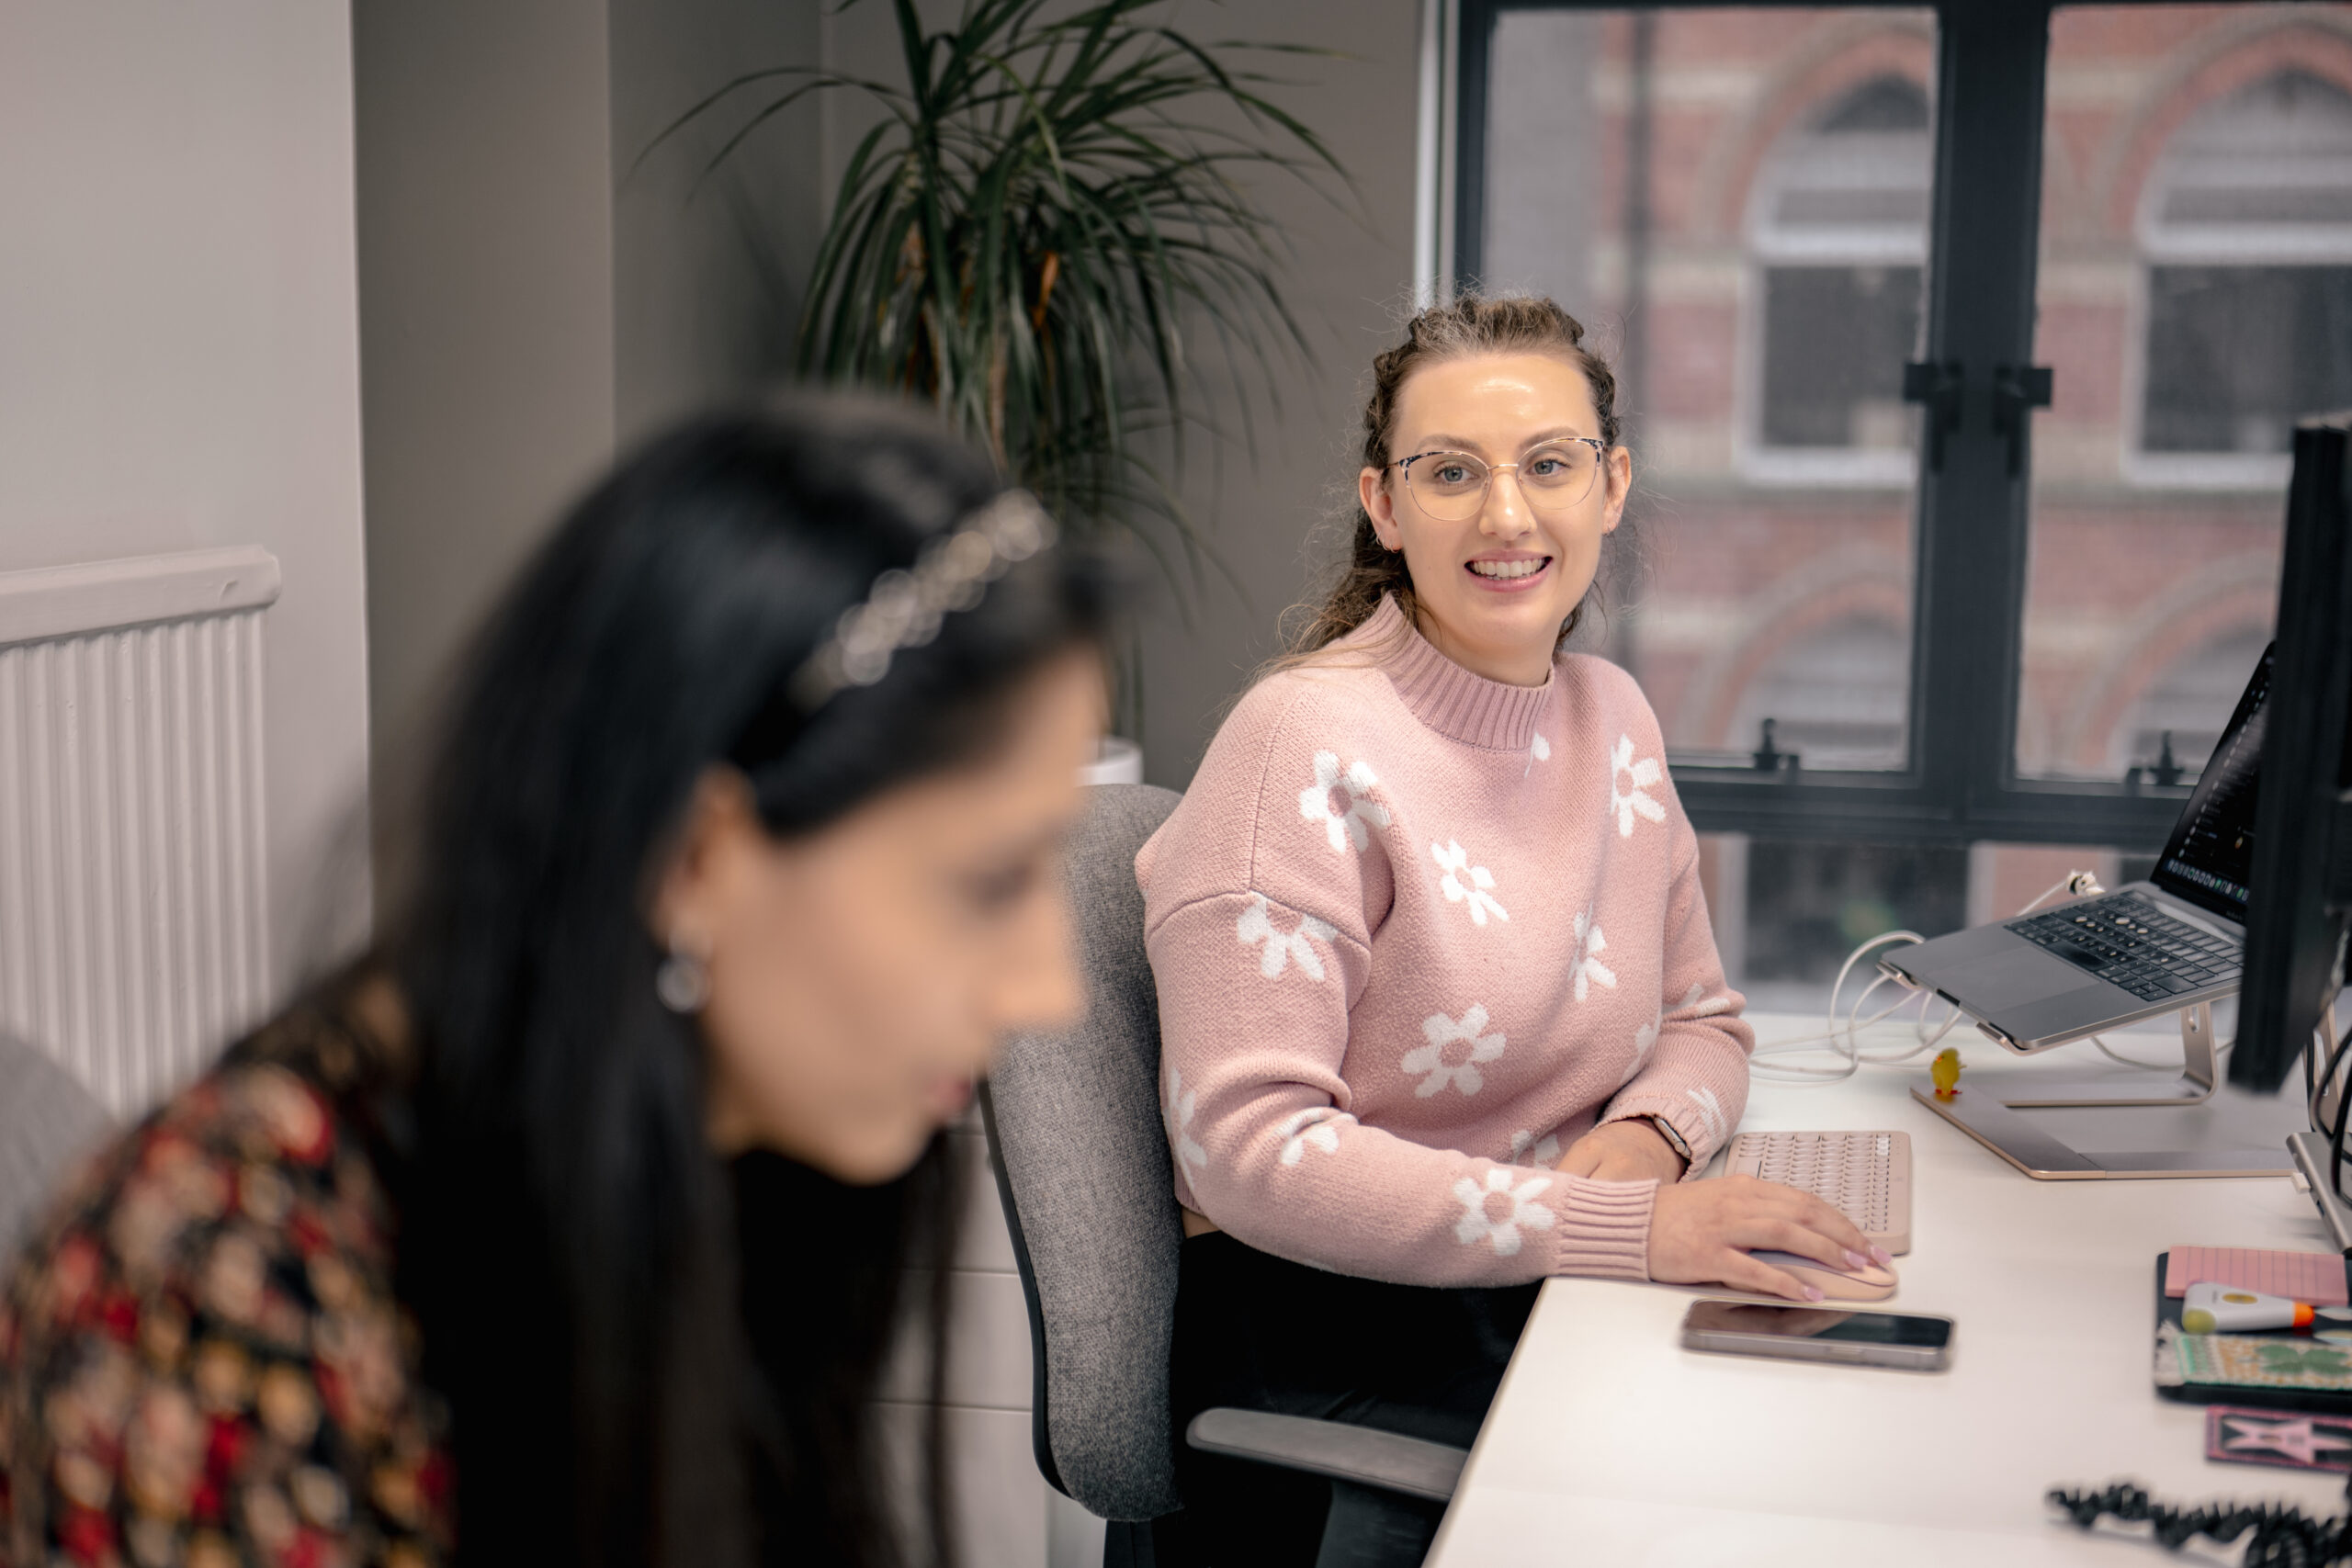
2283,1537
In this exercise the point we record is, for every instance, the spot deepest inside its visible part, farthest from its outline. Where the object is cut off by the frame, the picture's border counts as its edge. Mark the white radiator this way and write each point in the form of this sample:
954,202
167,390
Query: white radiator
133,896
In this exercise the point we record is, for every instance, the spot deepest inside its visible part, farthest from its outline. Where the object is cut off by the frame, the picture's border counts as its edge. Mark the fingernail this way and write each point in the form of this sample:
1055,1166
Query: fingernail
1883,1258
1813,1293
1855,1259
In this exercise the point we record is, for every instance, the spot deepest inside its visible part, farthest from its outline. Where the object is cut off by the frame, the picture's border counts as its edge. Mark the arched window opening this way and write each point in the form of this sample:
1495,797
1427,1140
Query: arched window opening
1839,231
2247,228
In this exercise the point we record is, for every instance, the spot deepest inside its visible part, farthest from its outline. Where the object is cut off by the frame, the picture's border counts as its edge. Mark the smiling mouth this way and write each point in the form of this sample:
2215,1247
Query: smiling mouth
1506,571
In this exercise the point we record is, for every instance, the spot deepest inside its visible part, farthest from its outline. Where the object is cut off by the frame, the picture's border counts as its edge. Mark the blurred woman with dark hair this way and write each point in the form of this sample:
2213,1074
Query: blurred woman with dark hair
568,1223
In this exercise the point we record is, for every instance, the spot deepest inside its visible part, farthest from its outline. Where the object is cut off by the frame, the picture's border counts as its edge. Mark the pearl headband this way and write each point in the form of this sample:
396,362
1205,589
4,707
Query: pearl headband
905,606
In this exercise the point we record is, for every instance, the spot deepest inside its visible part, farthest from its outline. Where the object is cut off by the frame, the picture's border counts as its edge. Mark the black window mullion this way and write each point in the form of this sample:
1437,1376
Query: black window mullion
1974,518
1972,536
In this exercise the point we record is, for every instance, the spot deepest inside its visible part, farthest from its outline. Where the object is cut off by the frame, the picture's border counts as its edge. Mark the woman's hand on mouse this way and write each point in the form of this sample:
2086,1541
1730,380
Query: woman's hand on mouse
1631,1150
1700,1231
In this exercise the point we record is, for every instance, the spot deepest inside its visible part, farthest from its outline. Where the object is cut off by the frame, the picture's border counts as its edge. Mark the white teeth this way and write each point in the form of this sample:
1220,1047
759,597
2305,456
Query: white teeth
1507,568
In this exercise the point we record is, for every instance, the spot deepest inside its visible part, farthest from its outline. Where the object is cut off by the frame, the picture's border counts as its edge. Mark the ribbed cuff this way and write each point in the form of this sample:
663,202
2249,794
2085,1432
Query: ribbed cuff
1604,1228
1684,1119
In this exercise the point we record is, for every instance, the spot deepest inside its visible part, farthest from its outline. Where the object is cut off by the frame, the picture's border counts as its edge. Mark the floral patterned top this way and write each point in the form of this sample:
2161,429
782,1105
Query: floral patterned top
201,1358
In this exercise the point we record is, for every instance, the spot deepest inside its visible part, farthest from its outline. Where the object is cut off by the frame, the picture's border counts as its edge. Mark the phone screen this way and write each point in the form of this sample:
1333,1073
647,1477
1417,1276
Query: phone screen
1819,1323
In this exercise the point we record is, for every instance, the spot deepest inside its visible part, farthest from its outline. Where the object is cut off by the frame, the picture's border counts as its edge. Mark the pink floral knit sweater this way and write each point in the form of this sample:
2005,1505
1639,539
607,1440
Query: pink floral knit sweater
1414,931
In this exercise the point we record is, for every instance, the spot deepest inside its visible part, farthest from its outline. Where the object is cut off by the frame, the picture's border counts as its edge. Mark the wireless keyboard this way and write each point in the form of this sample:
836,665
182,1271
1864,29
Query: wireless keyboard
1865,1176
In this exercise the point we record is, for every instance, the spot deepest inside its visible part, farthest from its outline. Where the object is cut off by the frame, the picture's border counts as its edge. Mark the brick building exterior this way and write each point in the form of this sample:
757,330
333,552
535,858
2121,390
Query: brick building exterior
1737,201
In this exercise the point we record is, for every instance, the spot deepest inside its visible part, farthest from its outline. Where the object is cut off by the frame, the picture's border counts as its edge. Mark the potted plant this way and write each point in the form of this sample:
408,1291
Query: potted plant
1048,218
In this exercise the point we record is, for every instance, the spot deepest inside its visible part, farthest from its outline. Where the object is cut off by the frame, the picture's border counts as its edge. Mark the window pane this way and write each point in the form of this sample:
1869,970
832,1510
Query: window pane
2237,354
1835,341
1737,203
2195,300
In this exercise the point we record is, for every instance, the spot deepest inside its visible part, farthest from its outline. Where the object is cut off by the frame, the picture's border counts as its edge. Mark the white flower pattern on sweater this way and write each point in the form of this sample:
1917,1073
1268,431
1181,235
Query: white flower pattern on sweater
1455,1048
1525,1150
1587,969
1710,1111
1315,1127
1456,861
1538,750
1346,826
1181,1105
1644,1042
1630,802
1495,1209
1279,949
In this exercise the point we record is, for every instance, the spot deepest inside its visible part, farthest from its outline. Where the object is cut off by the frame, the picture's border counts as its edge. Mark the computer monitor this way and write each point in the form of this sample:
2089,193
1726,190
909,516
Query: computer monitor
2298,883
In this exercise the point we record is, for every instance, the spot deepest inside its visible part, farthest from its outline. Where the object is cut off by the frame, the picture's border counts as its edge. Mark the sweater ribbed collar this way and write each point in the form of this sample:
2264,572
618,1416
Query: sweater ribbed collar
1449,699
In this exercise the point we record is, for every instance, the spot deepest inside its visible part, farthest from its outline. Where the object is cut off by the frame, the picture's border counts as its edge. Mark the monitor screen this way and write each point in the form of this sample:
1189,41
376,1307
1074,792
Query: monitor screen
2210,858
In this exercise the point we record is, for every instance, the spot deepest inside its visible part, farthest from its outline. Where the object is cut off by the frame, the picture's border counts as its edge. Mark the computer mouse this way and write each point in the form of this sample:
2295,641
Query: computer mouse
1867,1284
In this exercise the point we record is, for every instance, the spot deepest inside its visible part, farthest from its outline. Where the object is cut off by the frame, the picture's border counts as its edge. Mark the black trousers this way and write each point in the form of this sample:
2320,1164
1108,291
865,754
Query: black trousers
1262,1333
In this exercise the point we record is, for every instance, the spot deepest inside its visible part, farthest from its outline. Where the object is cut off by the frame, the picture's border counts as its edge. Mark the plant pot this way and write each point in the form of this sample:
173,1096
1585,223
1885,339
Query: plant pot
1119,762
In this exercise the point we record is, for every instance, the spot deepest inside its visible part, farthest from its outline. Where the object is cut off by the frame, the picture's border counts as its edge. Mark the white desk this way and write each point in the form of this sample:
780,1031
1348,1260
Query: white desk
1610,1444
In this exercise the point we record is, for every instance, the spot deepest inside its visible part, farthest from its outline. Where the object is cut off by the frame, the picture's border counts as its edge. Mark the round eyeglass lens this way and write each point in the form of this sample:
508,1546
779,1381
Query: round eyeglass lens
1453,485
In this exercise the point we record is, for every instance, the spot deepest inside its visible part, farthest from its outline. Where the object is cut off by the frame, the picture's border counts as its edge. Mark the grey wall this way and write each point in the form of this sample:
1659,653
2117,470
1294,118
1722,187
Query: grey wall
1350,282
179,344
531,293
486,317
705,273
1277,519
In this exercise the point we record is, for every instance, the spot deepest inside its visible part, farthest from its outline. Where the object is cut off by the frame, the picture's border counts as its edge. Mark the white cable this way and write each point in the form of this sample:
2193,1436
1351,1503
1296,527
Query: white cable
1846,1042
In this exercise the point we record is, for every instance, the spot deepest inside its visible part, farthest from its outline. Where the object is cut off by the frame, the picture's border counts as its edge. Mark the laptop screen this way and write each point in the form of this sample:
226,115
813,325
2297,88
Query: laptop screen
2210,853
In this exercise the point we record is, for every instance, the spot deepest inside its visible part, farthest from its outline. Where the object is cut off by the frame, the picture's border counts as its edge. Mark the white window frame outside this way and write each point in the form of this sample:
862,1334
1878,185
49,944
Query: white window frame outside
2209,244
1766,246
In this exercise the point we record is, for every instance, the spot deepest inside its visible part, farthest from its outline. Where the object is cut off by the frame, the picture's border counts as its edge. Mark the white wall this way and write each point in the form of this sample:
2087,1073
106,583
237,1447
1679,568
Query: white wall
179,344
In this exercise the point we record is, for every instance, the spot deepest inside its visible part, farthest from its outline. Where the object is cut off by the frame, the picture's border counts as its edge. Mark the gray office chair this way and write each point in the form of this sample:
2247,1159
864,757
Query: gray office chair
46,1119
1082,1165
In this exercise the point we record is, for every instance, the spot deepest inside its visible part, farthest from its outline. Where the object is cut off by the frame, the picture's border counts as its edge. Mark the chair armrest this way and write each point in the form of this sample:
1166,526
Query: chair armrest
1365,1455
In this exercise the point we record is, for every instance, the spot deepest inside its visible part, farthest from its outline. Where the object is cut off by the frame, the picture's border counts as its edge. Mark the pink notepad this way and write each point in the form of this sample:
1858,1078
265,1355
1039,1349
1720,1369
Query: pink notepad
2313,1277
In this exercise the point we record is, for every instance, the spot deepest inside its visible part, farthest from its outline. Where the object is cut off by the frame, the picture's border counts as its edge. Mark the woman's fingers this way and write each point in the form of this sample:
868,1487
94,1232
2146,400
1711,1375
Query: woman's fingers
1821,1225
1743,1272
1792,1236
1704,1231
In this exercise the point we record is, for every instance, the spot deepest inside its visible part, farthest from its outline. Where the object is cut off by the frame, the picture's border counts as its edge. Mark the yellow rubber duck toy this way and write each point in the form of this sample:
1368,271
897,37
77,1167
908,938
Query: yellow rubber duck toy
1945,1070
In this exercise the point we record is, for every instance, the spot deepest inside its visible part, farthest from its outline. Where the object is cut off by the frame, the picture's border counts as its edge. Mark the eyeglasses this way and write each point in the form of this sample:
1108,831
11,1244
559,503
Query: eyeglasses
1552,475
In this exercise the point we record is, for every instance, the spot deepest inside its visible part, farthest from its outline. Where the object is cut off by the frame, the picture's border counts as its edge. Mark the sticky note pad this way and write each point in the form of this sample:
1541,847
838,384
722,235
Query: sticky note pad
2313,1277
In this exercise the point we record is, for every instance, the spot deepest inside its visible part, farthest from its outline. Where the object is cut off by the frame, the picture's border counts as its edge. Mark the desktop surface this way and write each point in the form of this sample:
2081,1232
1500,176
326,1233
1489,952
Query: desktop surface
1609,1443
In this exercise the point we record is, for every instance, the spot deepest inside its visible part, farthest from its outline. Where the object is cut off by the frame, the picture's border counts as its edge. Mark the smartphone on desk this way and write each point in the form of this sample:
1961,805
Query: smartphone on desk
1912,1341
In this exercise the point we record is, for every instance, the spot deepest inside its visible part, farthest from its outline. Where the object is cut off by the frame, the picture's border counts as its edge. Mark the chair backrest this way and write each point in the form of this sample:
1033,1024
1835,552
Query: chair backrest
46,1119
1081,1163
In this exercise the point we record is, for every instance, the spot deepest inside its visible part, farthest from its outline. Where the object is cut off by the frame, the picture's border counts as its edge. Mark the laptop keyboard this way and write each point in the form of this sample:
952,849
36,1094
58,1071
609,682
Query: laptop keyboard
2127,940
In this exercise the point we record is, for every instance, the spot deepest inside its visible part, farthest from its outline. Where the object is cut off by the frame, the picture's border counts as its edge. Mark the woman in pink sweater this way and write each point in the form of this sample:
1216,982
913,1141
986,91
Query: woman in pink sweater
1441,1012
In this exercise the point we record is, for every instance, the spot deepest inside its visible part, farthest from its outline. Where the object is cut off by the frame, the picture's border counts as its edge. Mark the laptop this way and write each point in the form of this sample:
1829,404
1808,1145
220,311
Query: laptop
2147,948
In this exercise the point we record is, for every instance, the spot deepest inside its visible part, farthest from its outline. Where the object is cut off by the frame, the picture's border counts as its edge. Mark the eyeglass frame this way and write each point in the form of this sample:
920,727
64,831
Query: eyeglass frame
1405,466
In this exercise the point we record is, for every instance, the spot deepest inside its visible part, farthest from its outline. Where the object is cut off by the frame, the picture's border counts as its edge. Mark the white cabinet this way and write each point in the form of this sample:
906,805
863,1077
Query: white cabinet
1005,1514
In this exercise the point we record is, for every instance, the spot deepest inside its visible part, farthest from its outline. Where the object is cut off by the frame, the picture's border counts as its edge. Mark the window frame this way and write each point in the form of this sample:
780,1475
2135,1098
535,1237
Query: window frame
1959,785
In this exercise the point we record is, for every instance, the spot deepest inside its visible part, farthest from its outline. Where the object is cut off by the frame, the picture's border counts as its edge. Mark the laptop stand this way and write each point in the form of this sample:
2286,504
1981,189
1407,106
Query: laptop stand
2032,1146
2198,1074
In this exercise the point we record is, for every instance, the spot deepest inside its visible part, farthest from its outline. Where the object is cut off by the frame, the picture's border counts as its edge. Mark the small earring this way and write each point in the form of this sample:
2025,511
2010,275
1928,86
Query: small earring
683,982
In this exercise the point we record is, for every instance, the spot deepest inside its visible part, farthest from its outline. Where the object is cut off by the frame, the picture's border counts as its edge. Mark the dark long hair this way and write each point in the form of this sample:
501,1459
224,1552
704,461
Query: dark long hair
651,1356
